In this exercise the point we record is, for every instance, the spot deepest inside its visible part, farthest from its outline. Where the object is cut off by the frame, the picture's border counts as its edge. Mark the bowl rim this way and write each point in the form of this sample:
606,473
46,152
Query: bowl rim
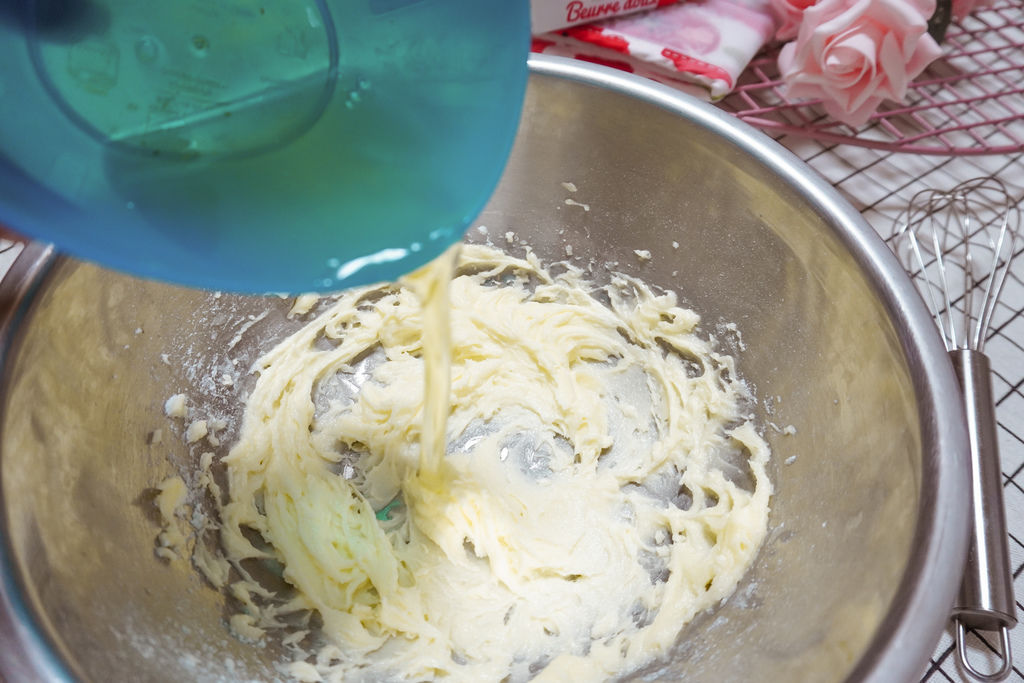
922,604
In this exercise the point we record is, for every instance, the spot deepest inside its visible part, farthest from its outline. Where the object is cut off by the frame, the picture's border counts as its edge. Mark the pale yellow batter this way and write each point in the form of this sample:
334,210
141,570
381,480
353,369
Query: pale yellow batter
600,486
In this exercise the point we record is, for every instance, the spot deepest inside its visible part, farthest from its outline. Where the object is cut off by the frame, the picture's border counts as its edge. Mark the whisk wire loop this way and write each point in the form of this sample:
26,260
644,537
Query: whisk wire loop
1006,244
957,245
962,215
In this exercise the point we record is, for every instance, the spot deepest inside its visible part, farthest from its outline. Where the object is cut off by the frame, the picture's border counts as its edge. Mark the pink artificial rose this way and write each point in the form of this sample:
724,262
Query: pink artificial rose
788,14
852,54
961,8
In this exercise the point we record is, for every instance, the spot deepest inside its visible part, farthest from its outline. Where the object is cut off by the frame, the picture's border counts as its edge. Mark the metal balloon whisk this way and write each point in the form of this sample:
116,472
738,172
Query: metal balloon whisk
958,246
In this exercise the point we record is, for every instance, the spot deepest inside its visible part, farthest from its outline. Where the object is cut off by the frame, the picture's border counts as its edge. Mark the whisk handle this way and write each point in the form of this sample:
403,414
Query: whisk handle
986,599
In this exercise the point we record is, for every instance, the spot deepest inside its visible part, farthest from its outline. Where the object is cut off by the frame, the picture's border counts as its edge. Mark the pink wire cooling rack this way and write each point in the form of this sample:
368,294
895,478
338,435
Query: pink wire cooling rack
970,101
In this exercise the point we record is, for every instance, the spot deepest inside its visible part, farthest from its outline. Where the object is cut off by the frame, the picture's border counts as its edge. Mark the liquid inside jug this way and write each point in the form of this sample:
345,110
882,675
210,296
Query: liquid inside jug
258,145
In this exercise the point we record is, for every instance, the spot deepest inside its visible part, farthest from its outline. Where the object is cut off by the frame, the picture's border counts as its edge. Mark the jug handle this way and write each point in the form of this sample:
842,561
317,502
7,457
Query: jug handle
17,283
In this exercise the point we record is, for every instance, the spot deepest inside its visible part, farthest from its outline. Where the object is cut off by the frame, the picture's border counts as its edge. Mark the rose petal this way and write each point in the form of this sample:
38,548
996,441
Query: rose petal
926,52
854,117
831,17
892,62
788,15
852,53
786,59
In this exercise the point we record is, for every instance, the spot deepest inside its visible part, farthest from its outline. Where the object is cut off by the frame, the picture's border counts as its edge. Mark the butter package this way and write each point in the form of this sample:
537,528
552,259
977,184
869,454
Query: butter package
552,15
699,46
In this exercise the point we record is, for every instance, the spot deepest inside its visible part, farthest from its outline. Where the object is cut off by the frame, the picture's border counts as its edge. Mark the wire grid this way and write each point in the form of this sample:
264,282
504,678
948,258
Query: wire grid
970,101
880,183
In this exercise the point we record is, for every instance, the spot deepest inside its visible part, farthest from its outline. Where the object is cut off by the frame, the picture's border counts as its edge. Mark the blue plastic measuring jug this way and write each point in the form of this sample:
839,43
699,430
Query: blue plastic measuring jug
256,145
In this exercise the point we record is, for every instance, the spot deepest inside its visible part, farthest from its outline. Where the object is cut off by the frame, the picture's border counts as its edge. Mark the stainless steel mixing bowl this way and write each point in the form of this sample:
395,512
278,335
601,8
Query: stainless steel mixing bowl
868,523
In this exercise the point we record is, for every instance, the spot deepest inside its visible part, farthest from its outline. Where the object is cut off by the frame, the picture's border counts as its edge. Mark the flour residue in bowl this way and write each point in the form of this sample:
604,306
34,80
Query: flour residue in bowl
601,485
